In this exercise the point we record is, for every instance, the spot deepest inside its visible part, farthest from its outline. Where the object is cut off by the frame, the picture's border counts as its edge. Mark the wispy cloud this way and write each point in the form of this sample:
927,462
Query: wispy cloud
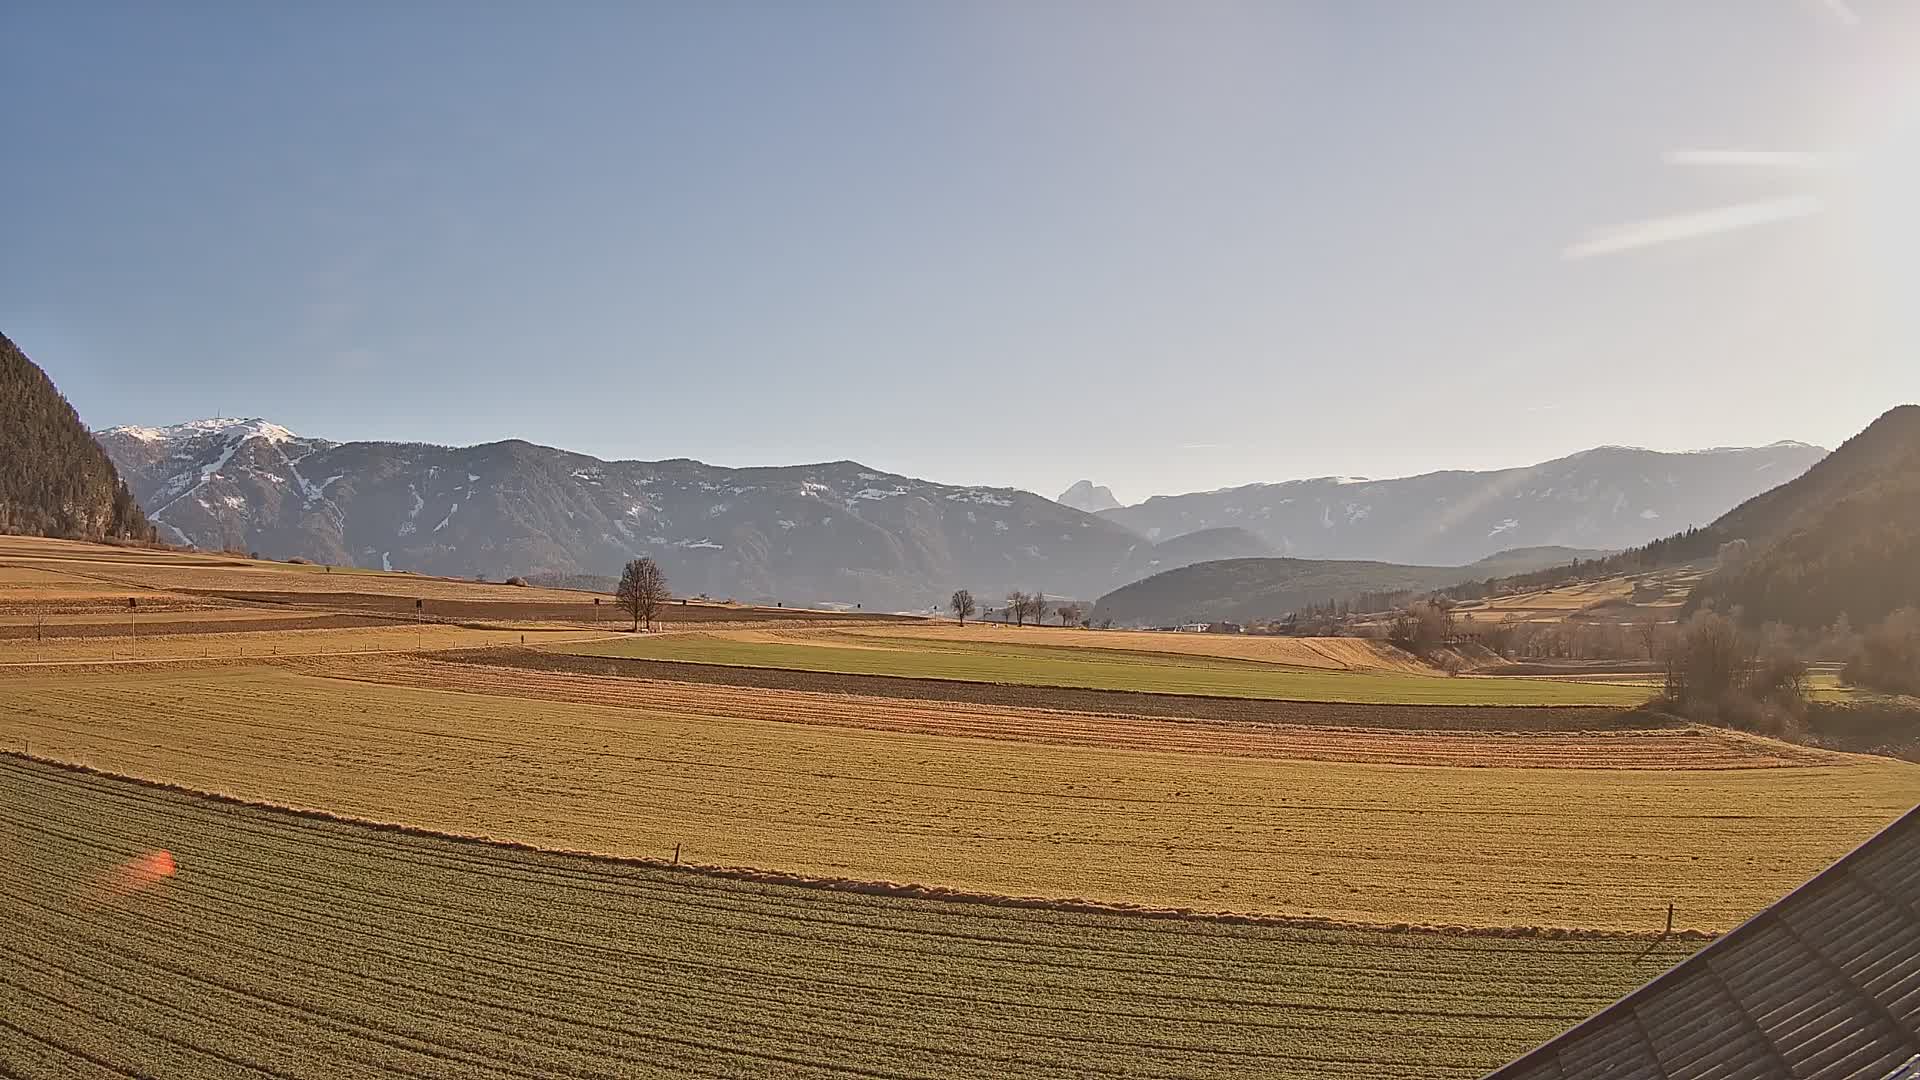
1203,446
1766,159
1841,10
1664,230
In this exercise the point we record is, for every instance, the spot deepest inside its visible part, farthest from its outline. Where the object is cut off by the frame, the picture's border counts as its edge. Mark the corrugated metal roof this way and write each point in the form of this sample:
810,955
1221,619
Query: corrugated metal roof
1823,985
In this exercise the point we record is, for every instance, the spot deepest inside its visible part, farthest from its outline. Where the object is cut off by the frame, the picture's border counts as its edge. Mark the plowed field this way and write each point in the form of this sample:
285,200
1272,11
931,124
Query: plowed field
1491,846
313,950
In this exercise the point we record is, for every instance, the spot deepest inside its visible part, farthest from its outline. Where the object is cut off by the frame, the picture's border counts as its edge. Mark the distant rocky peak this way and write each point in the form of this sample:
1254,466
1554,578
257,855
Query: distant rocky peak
1087,497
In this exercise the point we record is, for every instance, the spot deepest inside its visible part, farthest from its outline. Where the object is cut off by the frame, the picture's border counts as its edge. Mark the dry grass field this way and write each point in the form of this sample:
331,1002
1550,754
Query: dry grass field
1656,594
225,641
312,950
733,783
115,569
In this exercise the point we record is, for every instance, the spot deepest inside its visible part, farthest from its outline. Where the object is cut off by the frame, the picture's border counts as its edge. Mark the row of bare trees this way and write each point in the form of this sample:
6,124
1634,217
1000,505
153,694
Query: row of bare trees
1022,608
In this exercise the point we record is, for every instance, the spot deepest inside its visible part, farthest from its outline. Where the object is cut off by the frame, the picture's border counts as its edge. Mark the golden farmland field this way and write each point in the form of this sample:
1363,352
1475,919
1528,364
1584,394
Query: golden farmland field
318,949
1375,843
117,568
218,640
977,870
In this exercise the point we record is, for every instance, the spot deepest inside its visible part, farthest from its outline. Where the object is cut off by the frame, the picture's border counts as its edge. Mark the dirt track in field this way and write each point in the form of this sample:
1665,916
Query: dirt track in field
1177,706
1669,748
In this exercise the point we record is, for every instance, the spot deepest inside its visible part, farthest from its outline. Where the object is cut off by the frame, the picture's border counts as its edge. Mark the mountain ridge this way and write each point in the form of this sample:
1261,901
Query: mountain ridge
824,532
1607,497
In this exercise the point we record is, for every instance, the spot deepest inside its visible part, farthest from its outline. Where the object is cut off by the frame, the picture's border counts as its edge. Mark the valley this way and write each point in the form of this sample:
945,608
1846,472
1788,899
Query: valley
837,786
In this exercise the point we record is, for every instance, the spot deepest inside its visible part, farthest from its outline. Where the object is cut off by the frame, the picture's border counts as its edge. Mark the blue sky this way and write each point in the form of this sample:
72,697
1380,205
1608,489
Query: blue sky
1165,246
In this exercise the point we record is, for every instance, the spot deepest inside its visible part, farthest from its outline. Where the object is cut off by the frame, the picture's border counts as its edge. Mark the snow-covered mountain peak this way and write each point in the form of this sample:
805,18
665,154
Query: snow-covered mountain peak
235,429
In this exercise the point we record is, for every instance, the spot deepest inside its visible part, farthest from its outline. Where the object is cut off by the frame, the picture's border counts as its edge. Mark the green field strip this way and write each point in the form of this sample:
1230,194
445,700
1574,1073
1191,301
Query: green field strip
1147,672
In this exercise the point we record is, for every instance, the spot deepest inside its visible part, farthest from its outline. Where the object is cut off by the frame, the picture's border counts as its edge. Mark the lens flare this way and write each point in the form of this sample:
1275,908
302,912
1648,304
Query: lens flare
141,872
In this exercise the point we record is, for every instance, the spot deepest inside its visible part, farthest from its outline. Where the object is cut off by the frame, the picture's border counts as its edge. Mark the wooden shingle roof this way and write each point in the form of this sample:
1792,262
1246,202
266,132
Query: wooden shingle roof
1823,985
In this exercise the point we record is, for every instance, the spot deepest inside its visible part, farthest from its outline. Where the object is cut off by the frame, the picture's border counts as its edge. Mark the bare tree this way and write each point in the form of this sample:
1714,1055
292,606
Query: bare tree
1422,628
1501,635
1069,613
1017,607
963,605
643,588
1037,607
1648,631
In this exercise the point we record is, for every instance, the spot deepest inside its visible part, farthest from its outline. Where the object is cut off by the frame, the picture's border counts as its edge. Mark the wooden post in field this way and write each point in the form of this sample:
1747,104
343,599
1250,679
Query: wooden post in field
420,622
133,634
676,854
1663,935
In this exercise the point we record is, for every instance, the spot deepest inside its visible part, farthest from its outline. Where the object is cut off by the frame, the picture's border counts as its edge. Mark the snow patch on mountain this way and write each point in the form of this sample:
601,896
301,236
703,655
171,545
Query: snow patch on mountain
982,498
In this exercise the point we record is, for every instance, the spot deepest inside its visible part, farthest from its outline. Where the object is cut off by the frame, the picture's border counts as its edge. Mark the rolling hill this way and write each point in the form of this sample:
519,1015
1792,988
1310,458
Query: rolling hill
1242,590
54,480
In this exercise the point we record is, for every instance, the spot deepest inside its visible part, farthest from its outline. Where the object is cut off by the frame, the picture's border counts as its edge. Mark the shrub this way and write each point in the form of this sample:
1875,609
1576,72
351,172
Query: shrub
1719,673
519,581
1888,656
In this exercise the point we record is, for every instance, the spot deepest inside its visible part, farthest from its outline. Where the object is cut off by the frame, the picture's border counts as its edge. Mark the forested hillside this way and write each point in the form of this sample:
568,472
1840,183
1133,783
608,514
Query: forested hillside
1842,539
54,479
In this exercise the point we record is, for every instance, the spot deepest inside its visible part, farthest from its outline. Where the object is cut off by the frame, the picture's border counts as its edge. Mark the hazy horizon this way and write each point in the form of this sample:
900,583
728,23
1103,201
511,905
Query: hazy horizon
1162,249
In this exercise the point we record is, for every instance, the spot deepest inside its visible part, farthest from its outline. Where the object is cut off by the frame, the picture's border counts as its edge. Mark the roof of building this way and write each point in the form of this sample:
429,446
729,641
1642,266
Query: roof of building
1822,985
